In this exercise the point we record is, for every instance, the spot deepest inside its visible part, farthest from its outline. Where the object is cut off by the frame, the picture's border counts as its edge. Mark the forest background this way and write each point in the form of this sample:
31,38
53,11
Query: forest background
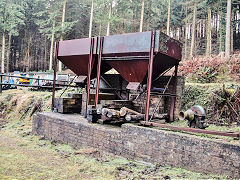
29,28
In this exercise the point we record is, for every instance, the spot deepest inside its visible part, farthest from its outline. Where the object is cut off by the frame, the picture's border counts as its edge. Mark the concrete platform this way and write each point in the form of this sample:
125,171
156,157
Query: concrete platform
142,143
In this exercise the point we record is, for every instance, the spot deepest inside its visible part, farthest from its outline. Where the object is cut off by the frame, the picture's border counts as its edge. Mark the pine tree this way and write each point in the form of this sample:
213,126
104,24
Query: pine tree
142,14
228,30
11,18
193,41
51,24
91,21
209,33
168,19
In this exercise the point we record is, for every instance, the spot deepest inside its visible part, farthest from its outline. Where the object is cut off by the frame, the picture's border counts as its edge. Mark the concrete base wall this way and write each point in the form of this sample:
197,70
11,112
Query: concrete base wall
142,143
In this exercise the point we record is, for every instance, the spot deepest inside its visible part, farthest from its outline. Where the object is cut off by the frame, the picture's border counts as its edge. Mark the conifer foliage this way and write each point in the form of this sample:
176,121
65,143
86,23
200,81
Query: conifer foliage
29,28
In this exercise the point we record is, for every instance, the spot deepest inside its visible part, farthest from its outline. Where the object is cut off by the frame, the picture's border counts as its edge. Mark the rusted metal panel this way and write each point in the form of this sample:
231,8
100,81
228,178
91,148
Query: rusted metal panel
127,43
75,54
78,64
168,46
139,43
132,71
167,126
136,70
76,47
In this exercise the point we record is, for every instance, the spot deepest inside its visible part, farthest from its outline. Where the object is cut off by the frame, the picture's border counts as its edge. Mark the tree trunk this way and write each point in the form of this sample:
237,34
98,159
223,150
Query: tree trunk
186,41
141,20
61,38
45,55
28,54
186,36
51,48
91,21
14,54
228,30
200,29
63,17
3,52
197,30
100,29
221,33
109,18
193,30
41,55
204,28
8,51
209,33
220,41
232,31
149,14
168,20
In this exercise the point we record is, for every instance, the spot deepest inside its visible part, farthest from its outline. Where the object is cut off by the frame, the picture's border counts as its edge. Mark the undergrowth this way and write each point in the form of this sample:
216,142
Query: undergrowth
214,99
211,69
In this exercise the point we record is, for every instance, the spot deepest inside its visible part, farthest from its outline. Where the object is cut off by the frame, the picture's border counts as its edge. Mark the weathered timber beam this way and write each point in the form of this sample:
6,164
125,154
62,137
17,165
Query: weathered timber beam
124,111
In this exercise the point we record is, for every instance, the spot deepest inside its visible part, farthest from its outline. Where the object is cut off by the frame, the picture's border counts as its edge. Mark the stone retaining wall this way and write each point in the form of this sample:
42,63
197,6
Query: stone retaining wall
142,143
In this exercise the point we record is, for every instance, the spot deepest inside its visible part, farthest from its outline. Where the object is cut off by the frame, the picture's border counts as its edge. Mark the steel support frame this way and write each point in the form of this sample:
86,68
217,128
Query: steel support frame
55,73
149,80
90,64
99,70
173,99
166,87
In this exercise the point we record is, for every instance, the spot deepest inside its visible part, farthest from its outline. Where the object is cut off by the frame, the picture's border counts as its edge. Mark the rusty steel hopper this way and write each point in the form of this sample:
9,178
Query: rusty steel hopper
135,54
80,55
75,54
129,54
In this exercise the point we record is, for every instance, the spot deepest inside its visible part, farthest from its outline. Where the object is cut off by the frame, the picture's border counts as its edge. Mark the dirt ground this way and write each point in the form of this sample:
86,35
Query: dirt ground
25,156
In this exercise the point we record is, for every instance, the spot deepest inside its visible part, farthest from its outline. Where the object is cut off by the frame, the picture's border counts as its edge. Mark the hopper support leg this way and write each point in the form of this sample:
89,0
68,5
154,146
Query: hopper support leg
55,73
99,71
173,98
149,81
89,73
